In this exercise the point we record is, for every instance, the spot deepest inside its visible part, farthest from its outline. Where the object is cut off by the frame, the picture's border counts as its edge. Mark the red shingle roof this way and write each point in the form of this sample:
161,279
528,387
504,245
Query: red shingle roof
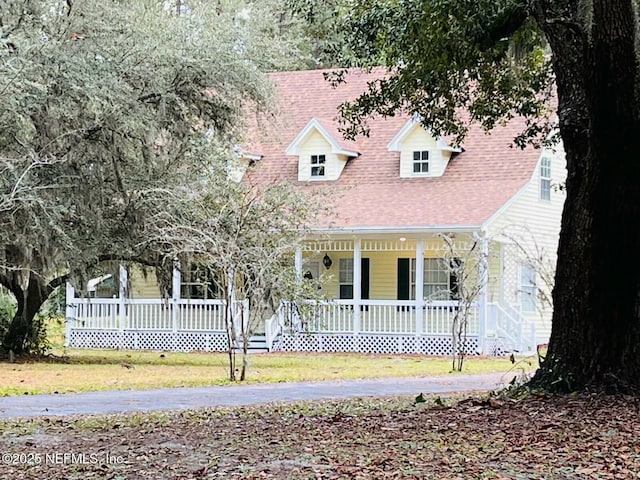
475,184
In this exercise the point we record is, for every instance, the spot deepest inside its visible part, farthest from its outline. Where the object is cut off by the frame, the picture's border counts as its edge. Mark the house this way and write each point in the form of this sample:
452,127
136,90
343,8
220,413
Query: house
408,208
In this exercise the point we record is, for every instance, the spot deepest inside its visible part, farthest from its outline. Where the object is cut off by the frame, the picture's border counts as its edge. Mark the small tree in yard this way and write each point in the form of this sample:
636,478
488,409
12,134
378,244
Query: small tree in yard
530,252
467,269
246,236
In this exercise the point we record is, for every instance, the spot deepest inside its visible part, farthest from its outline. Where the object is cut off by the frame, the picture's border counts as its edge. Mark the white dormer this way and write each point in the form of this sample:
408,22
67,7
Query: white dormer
421,153
238,163
320,155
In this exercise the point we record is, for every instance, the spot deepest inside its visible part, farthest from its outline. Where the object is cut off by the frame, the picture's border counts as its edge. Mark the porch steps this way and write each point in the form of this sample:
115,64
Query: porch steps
257,343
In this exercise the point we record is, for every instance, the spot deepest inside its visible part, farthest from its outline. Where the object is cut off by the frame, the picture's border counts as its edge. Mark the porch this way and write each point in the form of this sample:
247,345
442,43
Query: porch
382,296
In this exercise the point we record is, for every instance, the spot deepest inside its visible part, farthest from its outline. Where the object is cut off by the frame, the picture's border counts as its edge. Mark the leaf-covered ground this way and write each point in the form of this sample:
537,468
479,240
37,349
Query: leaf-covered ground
559,437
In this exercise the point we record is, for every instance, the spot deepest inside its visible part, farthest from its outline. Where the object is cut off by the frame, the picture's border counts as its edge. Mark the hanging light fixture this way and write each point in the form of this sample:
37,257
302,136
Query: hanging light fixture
326,261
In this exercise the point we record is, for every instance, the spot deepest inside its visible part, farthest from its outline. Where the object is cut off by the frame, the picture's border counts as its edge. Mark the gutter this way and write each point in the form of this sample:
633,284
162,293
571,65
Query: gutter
379,230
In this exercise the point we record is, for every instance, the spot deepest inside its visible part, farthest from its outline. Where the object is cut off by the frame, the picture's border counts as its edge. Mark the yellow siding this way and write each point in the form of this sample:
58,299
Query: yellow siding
143,286
316,144
382,276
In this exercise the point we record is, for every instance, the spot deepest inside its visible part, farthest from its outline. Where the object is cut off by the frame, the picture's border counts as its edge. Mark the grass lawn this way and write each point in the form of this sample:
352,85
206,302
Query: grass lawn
75,370
565,437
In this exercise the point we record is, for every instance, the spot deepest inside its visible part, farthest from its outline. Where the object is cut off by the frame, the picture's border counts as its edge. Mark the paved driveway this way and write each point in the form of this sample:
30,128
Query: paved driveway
114,401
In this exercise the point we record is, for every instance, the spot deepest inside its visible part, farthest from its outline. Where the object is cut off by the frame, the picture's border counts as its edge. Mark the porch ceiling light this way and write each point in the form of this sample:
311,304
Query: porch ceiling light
403,239
326,261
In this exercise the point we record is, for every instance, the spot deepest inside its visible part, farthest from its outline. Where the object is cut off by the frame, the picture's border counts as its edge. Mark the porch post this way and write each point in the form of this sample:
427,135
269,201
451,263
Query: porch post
176,283
357,284
419,300
122,297
69,313
483,278
298,262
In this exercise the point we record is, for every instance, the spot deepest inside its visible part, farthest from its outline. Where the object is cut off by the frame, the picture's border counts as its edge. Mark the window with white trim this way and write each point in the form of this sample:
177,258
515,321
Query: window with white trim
439,282
317,165
545,178
345,278
421,161
528,288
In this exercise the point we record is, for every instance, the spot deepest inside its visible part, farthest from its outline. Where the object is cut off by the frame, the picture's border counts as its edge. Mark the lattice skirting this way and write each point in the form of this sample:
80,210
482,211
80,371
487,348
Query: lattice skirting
149,340
431,345
495,346
207,341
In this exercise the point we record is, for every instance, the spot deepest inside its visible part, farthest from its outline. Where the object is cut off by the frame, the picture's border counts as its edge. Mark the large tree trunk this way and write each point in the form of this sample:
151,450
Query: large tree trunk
29,303
595,339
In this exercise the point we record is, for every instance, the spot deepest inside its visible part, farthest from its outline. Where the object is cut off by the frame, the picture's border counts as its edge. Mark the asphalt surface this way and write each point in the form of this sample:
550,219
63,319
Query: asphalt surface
116,401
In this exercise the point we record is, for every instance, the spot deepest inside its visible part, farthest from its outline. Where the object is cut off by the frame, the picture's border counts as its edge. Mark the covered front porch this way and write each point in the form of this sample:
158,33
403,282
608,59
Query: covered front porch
380,294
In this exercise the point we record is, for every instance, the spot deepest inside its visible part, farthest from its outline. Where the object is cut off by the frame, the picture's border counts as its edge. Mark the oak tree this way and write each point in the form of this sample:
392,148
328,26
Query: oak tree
105,105
455,61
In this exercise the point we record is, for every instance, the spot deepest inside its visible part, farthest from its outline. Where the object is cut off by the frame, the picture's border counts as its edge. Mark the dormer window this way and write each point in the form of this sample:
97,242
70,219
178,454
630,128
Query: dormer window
422,154
317,165
314,138
421,161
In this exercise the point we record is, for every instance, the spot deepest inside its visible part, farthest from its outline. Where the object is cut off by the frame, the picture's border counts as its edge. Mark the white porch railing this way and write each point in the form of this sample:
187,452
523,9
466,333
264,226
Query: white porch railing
149,314
341,317
273,329
376,316
511,327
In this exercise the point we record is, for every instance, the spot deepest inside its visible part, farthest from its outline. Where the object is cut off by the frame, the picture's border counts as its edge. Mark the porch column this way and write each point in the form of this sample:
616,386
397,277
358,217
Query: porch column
357,284
298,262
122,297
419,299
483,278
69,313
176,284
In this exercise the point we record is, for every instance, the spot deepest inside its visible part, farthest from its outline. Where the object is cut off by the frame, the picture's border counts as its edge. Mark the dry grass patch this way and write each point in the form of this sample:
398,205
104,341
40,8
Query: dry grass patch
75,370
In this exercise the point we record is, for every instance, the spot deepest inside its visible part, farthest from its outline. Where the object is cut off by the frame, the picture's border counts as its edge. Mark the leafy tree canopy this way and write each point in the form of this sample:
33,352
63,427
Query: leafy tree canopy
453,61
103,104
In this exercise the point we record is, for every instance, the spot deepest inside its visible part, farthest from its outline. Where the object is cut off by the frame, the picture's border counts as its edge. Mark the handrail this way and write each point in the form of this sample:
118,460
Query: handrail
272,329
512,327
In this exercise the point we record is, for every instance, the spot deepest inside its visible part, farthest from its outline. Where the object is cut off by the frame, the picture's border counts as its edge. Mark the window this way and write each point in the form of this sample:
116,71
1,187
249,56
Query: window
528,288
345,278
421,162
545,178
439,282
317,165
198,284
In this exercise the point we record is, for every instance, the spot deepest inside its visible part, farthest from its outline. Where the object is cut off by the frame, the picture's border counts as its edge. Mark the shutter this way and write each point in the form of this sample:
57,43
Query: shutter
404,279
364,279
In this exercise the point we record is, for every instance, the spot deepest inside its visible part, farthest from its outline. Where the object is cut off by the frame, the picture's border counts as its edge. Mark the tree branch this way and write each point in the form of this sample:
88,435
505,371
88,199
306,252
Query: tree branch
503,26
